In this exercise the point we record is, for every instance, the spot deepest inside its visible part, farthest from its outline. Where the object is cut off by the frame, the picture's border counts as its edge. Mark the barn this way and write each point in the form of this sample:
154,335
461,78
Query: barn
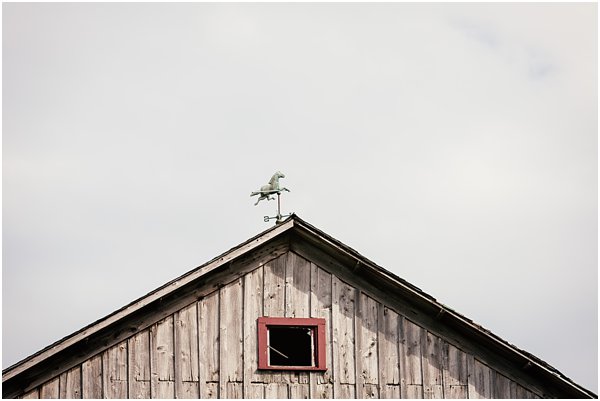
289,313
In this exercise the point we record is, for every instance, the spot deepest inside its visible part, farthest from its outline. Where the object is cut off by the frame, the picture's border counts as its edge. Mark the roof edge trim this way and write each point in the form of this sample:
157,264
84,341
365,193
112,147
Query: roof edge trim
152,296
460,319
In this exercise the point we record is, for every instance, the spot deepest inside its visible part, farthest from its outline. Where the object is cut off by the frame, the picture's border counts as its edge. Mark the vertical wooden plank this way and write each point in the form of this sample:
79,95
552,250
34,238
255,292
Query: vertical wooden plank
335,335
255,391
253,309
501,387
390,391
297,305
366,347
454,372
347,296
299,390
274,306
432,361
91,378
343,298
320,304
297,286
411,380
480,379
471,392
211,390
62,386
323,391
162,384
276,390
70,383
114,371
50,389
389,374
234,390
209,344
274,287
139,365
346,391
230,357
513,389
456,392
186,352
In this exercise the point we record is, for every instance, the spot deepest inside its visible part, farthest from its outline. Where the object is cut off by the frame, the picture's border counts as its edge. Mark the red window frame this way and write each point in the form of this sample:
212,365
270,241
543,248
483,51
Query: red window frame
317,324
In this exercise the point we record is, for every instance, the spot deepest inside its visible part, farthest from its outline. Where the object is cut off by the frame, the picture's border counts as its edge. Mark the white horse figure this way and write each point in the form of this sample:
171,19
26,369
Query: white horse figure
271,188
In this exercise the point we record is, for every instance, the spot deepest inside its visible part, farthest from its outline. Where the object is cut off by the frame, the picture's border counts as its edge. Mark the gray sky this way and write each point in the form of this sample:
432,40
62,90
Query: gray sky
455,145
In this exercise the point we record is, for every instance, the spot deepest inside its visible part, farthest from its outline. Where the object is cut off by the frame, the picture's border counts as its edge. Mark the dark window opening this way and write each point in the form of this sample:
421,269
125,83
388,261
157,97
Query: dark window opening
291,346
290,343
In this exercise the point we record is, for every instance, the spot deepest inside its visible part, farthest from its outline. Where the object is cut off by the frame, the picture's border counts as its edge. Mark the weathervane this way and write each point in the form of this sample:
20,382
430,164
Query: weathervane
272,188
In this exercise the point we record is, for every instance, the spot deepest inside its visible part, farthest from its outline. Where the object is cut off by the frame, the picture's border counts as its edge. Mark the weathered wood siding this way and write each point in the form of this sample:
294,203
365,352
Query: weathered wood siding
209,348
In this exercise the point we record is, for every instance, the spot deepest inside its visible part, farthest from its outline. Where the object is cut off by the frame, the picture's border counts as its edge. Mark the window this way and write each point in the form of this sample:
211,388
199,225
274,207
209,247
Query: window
291,343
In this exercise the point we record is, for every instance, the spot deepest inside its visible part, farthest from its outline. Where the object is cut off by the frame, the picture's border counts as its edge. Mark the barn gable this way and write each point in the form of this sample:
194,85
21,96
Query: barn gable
197,336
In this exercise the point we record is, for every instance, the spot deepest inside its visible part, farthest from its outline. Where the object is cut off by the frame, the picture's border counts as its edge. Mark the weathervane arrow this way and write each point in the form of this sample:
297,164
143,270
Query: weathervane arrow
272,188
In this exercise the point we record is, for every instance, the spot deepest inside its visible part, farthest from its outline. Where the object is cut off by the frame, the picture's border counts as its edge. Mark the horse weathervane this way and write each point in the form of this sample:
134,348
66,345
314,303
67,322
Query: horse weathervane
272,188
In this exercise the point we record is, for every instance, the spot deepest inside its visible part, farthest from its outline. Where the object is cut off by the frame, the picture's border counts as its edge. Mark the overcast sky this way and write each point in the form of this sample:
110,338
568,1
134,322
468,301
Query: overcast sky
454,145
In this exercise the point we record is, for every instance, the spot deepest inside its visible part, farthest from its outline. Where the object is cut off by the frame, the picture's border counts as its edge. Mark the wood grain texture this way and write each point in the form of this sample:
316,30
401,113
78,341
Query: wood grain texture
432,365
139,365
274,287
91,378
50,389
343,312
114,371
366,347
480,379
234,390
276,390
297,286
209,344
297,305
299,390
253,309
343,326
231,346
274,306
211,390
320,304
389,362
186,352
255,391
390,391
323,391
502,387
455,372
70,383
346,391
162,364
411,382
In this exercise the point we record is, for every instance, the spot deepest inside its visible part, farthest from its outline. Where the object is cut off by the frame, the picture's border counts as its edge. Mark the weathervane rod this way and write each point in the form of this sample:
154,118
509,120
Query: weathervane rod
278,206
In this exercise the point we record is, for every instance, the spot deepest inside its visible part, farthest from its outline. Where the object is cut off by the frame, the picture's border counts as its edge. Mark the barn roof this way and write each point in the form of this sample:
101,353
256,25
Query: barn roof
120,324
